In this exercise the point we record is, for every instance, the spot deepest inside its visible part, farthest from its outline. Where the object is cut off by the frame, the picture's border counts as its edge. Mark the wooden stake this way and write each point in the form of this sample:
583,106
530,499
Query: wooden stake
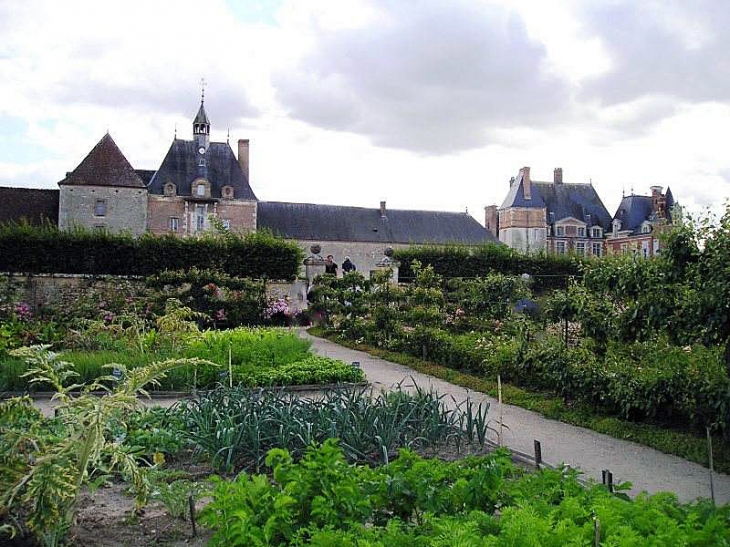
538,454
712,465
191,502
230,366
499,394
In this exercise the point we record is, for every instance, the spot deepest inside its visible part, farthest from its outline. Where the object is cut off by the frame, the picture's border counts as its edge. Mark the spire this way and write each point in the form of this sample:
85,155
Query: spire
201,123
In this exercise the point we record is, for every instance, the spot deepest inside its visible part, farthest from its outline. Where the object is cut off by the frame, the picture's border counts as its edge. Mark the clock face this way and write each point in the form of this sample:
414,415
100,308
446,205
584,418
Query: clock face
201,150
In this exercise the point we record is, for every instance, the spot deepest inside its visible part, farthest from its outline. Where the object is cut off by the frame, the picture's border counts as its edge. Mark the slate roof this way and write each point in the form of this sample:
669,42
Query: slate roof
307,221
35,206
201,116
516,195
145,174
573,200
180,166
105,165
633,211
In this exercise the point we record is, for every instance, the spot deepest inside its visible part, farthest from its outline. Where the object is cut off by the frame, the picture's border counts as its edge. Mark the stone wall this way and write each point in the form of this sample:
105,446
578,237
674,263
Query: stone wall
43,290
365,256
126,208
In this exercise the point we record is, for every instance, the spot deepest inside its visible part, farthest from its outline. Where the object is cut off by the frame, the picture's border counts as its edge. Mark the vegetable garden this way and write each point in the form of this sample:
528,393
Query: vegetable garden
244,462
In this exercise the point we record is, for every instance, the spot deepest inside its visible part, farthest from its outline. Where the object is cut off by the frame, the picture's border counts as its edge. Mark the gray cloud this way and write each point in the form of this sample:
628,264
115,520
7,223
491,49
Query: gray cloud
434,79
673,48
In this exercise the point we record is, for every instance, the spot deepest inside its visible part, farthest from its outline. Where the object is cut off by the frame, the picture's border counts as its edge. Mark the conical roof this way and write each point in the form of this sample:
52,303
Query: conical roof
105,165
201,117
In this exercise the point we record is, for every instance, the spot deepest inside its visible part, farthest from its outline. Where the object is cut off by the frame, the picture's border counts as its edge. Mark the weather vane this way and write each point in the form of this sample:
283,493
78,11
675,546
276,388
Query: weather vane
202,89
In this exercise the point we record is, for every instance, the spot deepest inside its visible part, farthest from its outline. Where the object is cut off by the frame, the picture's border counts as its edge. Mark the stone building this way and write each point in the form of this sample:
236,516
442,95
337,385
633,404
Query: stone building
639,220
103,192
201,183
552,216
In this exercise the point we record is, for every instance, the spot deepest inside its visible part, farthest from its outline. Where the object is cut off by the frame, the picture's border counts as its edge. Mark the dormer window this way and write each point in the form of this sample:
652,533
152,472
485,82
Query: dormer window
170,189
200,191
227,192
581,231
560,231
595,231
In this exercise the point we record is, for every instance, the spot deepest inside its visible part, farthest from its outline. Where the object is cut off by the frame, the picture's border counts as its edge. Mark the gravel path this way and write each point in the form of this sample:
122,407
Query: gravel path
580,448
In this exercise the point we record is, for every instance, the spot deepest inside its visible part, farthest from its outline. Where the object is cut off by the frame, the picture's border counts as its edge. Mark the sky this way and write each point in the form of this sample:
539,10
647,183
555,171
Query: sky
425,104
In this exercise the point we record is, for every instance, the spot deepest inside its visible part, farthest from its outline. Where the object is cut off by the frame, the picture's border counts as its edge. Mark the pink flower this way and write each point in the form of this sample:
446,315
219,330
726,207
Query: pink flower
220,315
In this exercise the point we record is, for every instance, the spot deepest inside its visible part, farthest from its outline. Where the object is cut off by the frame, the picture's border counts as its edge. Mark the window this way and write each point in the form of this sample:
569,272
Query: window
595,232
581,231
201,162
560,230
170,189
560,247
100,208
174,224
645,249
200,217
580,248
226,224
624,248
645,229
596,249
201,190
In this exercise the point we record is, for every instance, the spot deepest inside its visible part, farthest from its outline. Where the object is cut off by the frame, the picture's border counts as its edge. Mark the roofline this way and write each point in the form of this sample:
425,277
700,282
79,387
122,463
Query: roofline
371,208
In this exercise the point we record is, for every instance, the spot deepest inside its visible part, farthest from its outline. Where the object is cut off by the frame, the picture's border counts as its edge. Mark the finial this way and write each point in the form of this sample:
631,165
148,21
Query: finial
228,137
175,137
623,191
202,90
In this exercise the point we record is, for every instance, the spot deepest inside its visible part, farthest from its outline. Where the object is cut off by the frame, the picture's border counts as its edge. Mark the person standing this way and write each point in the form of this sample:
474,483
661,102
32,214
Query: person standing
330,267
348,266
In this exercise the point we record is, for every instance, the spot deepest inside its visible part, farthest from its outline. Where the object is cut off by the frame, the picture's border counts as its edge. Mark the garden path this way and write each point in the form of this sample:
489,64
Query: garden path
591,452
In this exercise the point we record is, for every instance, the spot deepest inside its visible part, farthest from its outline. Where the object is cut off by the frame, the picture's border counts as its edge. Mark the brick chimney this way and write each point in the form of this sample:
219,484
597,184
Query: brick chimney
558,175
526,182
243,156
491,222
382,208
658,202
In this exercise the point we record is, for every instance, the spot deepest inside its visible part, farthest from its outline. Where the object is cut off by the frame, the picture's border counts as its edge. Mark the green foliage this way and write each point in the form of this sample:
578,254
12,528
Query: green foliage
30,249
548,270
227,300
236,427
46,477
473,502
312,370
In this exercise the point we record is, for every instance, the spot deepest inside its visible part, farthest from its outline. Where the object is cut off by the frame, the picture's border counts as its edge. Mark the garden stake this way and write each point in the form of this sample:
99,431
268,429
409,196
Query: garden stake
191,502
596,531
712,465
230,366
538,454
499,393
610,481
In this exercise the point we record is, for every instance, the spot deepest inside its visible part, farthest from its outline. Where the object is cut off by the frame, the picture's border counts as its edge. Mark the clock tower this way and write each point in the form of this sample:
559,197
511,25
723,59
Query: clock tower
201,127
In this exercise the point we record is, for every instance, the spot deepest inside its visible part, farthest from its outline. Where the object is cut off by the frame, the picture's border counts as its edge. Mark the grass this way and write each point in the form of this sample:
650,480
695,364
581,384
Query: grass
684,444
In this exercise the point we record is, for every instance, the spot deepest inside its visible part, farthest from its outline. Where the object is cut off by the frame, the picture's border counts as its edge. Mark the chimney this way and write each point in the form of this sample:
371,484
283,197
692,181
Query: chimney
558,175
243,156
656,190
526,182
511,181
382,208
491,222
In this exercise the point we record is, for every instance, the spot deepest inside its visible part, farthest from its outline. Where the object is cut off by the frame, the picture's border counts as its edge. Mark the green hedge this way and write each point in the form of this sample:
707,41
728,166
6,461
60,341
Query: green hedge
30,249
548,271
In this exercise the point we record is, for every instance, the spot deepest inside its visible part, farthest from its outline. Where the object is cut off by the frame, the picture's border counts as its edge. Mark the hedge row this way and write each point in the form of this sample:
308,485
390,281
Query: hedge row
30,249
548,271
650,381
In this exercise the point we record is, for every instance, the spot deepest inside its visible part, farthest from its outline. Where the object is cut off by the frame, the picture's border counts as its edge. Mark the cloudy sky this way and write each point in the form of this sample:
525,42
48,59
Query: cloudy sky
426,104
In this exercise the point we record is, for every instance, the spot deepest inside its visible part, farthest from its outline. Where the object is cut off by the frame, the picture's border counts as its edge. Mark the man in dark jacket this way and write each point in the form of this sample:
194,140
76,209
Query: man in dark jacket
330,266
348,266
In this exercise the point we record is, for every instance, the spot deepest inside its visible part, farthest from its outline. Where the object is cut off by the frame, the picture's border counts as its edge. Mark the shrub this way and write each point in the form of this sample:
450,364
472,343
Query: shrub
29,249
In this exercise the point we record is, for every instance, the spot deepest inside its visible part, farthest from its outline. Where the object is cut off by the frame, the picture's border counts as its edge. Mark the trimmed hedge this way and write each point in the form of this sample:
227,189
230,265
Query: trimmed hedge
29,249
548,271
